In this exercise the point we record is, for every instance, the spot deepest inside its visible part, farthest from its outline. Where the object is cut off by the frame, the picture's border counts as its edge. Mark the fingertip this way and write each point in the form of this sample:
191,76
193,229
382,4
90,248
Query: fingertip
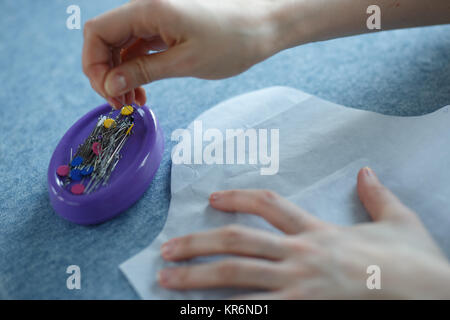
367,173
140,96
112,103
214,196
379,201
129,97
213,199
364,181
162,278
116,84
117,102
217,201
366,177
167,251
361,173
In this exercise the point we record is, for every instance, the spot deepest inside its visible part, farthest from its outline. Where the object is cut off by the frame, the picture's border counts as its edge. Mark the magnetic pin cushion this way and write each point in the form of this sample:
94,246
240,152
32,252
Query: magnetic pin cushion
104,163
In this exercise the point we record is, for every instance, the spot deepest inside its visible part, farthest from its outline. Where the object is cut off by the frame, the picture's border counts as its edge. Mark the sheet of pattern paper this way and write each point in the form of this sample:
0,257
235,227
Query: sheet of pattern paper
321,148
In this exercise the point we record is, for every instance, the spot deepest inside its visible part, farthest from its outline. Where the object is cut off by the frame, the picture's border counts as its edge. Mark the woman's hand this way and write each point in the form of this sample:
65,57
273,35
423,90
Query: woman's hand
213,39
208,39
314,259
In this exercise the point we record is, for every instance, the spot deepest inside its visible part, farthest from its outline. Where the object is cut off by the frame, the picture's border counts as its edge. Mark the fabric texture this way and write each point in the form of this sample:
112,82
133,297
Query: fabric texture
317,171
44,91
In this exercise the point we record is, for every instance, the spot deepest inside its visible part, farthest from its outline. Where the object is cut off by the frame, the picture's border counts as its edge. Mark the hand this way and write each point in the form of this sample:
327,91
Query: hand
314,259
209,39
214,39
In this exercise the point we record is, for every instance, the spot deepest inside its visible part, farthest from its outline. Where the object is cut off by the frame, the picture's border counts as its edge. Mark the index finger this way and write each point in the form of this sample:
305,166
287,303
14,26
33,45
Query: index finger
112,30
278,211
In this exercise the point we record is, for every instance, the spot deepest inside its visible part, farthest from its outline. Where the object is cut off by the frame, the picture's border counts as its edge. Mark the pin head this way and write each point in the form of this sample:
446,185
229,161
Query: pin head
109,123
96,148
63,171
75,175
77,189
127,110
76,161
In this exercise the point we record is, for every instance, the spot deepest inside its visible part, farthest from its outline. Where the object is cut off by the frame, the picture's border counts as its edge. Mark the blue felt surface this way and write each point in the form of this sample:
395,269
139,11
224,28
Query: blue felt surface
44,92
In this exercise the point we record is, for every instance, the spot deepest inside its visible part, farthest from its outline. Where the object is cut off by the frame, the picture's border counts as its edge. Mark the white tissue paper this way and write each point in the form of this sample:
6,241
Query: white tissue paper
321,148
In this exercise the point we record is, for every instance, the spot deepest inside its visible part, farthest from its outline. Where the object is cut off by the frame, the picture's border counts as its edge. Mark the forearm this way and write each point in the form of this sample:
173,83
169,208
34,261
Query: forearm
301,21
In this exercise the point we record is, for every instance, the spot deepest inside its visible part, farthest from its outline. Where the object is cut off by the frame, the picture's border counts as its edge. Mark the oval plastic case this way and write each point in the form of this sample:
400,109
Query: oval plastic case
141,156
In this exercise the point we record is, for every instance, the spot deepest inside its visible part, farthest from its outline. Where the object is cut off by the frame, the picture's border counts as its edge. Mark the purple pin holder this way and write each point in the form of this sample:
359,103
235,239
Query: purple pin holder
141,157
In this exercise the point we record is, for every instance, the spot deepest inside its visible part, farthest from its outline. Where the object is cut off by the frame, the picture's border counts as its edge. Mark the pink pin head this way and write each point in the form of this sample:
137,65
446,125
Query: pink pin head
63,171
96,148
77,189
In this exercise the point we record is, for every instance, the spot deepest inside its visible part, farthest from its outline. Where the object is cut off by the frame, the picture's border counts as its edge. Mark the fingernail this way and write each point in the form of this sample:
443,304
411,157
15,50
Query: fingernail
214,196
113,104
164,276
167,249
369,172
116,86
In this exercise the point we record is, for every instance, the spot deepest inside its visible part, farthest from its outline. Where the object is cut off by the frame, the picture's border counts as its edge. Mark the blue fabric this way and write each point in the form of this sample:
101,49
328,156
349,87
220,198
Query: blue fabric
44,92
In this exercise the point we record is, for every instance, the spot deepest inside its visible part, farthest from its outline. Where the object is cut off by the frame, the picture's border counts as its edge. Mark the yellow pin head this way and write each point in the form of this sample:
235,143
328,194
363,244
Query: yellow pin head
127,110
109,123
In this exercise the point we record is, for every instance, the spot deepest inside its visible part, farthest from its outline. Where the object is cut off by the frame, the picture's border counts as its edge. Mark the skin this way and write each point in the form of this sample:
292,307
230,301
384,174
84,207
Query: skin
313,259
149,40
215,39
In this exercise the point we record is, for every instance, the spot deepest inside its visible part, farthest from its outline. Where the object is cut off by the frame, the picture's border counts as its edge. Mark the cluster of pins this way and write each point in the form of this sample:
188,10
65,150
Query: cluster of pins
97,157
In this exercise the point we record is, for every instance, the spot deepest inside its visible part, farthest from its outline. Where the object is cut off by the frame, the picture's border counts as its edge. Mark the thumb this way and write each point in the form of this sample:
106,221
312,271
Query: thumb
379,201
141,70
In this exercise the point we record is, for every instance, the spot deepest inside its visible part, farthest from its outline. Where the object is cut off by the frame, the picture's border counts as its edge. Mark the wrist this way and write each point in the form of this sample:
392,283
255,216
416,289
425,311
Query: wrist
265,29
298,22
430,281
437,283
277,25
293,23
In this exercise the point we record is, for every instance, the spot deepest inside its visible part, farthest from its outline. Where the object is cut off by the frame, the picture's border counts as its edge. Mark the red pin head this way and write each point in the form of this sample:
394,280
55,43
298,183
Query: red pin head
97,148
63,171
